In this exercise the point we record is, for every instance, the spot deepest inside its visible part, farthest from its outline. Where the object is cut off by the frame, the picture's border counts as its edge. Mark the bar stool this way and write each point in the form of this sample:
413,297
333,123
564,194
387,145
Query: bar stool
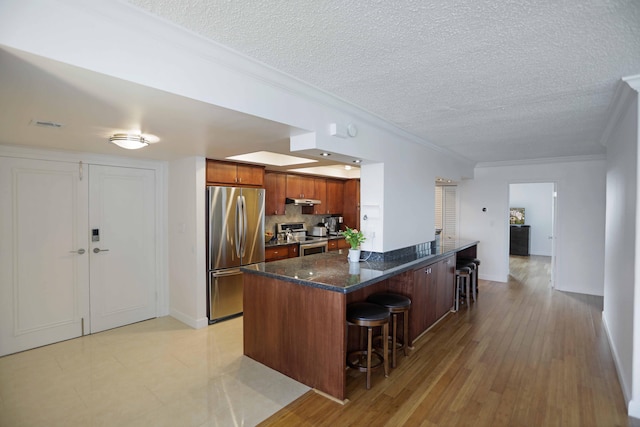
476,271
473,277
395,304
369,315
462,279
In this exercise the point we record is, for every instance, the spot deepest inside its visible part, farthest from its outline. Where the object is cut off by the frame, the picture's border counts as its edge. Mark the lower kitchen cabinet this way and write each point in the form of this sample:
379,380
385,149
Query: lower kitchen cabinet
275,253
335,244
431,294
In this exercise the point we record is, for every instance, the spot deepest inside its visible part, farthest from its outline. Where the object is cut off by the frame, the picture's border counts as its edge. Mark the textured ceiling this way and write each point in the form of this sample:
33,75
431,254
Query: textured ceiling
490,80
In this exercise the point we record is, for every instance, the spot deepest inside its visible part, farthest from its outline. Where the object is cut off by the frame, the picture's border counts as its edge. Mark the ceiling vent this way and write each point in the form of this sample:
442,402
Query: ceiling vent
46,124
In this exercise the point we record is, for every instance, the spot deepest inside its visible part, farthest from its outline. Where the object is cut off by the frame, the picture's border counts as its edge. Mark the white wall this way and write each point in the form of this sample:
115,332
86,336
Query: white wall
621,252
187,237
537,201
580,219
107,37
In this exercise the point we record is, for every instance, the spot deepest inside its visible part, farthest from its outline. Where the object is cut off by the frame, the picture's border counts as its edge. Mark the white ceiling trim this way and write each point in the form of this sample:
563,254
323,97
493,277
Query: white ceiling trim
546,160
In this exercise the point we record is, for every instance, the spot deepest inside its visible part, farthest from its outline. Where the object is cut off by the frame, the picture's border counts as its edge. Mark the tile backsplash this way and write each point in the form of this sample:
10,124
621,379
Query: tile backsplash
292,213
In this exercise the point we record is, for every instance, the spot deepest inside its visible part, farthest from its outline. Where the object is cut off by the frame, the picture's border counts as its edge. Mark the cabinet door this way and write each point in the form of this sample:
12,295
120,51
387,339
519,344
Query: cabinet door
250,175
221,172
274,184
351,204
299,186
320,193
431,280
342,244
421,314
335,196
275,253
294,251
445,286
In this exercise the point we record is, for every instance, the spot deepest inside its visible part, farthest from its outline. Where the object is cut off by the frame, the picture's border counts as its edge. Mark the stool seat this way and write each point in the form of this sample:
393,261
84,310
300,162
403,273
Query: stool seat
389,300
359,312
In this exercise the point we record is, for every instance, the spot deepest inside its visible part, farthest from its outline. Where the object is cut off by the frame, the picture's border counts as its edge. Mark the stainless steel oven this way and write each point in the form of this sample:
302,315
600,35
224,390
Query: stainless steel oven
313,247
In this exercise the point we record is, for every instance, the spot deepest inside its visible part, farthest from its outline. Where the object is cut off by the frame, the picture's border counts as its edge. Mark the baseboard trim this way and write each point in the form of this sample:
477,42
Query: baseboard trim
633,407
490,278
188,320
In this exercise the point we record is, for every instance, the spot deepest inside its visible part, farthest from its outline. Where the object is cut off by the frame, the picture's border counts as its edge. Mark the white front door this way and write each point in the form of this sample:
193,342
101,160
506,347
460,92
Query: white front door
44,257
123,260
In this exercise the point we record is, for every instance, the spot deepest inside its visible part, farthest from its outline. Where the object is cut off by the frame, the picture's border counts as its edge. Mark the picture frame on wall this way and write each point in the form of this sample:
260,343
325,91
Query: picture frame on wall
516,216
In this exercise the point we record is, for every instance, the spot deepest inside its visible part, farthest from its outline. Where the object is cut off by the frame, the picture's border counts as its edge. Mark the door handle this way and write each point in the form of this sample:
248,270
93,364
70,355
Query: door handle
79,251
98,250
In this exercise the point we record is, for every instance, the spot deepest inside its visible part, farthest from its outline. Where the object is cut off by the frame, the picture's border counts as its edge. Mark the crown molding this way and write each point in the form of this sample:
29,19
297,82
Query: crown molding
545,160
626,90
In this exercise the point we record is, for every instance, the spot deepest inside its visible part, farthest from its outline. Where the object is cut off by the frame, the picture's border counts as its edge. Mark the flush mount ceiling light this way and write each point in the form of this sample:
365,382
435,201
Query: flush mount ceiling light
325,154
357,161
128,141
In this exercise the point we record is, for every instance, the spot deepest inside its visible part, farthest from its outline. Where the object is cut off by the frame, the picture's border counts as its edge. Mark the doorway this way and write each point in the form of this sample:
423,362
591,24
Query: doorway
78,250
532,213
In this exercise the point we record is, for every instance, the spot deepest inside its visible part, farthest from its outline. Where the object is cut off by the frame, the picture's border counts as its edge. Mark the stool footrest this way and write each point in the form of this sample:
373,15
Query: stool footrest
358,360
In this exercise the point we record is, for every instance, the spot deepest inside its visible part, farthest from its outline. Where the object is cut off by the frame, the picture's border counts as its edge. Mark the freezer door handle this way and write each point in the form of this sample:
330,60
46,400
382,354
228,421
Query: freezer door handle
226,273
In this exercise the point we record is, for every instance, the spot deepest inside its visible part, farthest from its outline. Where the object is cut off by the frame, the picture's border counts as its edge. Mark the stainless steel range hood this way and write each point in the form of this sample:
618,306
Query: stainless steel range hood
302,202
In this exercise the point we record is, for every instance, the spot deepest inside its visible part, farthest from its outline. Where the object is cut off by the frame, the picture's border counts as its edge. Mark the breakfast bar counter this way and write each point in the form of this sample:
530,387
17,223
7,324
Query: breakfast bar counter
295,309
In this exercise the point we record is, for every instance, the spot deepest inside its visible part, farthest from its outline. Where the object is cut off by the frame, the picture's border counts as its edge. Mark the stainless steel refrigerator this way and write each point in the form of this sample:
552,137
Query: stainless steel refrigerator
235,238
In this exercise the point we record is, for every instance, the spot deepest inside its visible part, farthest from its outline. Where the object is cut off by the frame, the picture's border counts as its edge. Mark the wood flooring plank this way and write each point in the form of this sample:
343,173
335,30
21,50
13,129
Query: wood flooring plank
522,355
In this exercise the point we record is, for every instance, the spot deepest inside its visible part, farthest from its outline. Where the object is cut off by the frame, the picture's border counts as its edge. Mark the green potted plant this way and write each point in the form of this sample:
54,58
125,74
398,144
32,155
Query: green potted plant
354,238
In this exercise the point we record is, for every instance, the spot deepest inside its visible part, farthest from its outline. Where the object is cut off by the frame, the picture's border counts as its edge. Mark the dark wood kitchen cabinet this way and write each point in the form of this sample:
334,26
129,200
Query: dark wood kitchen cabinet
300,187
330,192
231,173
351,204
275,253
431,294
445,286
319,193
275,186
335,196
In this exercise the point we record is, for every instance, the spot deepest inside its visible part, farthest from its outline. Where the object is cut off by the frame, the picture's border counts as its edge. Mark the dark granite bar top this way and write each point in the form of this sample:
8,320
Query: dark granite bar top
273,243
332,271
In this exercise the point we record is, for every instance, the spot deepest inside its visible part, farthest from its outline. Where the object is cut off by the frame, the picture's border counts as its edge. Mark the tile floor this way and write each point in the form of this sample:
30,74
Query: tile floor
155,373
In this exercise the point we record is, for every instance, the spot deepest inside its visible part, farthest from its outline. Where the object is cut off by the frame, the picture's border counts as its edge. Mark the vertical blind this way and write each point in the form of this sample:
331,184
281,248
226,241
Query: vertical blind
445,204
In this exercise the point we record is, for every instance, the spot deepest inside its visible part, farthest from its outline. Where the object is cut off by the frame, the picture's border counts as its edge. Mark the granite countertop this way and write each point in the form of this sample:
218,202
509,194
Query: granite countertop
293,241
332,271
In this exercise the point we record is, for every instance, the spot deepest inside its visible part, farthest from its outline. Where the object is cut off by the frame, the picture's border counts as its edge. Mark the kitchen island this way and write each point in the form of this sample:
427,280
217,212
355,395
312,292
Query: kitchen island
295,309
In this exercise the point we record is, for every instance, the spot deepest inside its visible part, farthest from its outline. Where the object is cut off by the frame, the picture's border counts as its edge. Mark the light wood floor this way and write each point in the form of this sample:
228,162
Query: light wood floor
523,355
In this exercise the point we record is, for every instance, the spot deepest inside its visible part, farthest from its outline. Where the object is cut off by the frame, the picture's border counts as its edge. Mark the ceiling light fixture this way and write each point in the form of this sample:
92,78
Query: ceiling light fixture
357,161
130,142
325,154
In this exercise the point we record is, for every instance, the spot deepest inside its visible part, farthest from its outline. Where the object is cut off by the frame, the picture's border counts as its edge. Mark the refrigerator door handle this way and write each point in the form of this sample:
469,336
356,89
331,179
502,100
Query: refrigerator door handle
245,225
239,231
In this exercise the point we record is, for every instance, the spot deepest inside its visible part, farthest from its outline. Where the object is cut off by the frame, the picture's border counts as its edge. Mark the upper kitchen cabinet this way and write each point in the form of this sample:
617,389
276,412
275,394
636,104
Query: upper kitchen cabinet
330,192
351,204
335,196
319,193
275,193
300,187
238,174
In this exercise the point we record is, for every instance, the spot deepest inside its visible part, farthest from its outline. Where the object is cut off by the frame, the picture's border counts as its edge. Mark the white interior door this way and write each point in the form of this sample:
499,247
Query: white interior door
44,273
123,261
